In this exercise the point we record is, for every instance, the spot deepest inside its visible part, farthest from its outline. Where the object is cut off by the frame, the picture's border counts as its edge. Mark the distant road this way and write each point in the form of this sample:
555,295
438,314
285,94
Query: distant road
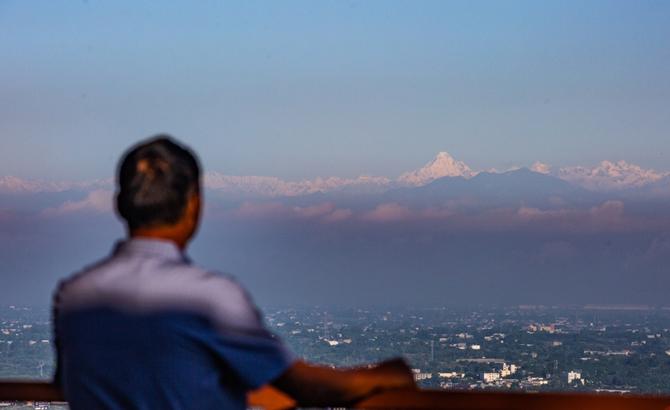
500,361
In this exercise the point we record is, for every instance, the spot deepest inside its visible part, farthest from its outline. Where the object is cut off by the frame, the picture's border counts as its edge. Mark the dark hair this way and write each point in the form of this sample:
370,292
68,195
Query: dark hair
156,179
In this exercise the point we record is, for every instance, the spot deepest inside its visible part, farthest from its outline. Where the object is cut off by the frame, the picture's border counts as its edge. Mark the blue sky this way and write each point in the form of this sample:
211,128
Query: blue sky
304,89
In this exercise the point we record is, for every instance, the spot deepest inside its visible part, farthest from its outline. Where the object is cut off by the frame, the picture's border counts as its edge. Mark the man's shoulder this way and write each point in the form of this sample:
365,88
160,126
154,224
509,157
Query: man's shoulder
146,285
116,274
142,263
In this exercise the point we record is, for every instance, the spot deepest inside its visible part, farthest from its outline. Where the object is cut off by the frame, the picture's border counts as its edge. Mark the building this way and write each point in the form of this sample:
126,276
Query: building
507,370
573,375
489,377
533,381
451,375
421,376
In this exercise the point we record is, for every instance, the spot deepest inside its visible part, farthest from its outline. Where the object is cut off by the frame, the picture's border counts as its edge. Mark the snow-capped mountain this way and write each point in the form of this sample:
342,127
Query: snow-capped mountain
10,184
249,186
604,176
255,186
442,166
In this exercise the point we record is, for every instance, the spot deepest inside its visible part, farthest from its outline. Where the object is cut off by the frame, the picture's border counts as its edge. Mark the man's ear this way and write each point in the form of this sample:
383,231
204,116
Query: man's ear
194,202
116,204
117,207
193,208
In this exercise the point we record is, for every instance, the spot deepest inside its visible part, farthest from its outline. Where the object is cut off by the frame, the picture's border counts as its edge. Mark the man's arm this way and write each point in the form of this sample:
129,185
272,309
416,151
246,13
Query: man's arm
317,386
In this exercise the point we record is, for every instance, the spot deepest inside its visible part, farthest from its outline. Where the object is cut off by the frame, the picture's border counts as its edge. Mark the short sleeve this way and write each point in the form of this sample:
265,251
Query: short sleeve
240,337
256,359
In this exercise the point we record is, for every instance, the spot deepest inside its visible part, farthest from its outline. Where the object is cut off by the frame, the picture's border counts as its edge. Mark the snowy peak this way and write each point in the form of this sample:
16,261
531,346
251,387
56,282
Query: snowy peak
604,176
13,185
442,166
622,171
255,186
541,168
18,185
608,176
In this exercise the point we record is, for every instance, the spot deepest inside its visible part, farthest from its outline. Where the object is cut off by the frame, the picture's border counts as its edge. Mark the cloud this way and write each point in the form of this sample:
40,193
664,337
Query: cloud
389,212
339,215
336,254
609,217
395,212
250,211
99,200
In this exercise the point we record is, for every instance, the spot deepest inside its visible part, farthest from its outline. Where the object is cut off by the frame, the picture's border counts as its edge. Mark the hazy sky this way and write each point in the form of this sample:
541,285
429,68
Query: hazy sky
297,89
300,89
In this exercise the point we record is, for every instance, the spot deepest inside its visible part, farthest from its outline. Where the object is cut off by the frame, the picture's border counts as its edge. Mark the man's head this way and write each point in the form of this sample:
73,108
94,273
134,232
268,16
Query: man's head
158,185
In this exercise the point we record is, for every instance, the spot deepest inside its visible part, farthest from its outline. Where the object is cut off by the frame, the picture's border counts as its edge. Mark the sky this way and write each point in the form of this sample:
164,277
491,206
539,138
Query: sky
299,90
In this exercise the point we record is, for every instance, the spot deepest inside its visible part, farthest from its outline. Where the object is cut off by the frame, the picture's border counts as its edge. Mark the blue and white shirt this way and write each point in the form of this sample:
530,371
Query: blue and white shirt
145,329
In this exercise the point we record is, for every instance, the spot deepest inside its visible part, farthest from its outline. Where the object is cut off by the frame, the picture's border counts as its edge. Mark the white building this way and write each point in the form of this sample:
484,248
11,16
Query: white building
422,376
533,381
573,375
489,377
507,370
452,375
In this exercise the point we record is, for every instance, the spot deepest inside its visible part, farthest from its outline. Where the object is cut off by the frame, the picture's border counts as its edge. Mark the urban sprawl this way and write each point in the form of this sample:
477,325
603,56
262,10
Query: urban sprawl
533,348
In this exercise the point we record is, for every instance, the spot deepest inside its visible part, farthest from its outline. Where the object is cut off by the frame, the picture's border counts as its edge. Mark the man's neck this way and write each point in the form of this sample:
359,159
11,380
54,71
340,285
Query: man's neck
181,232
166,233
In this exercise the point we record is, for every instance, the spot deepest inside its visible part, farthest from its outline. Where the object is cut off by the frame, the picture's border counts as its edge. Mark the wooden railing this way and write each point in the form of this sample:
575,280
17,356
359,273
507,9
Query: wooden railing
272,399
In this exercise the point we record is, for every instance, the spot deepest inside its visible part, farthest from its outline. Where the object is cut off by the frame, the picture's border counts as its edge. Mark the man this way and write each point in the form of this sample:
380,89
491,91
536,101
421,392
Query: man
146,329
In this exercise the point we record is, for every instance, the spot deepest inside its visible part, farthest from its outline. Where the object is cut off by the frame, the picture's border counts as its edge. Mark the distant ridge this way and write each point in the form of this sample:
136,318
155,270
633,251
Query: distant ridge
606,176
255,186
10,184
442,165
521,187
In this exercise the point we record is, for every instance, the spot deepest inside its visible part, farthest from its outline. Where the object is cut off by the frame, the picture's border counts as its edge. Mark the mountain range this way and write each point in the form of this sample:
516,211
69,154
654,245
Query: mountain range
10,184
605,177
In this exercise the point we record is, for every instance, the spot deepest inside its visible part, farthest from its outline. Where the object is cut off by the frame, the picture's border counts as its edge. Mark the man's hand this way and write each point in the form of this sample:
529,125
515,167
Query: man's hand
394,374
317,386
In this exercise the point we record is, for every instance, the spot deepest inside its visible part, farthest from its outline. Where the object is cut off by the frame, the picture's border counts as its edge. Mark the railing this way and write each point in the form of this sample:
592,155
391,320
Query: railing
424,399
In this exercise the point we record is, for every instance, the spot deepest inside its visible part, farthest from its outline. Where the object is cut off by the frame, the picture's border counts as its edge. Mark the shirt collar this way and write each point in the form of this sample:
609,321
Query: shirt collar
150,248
